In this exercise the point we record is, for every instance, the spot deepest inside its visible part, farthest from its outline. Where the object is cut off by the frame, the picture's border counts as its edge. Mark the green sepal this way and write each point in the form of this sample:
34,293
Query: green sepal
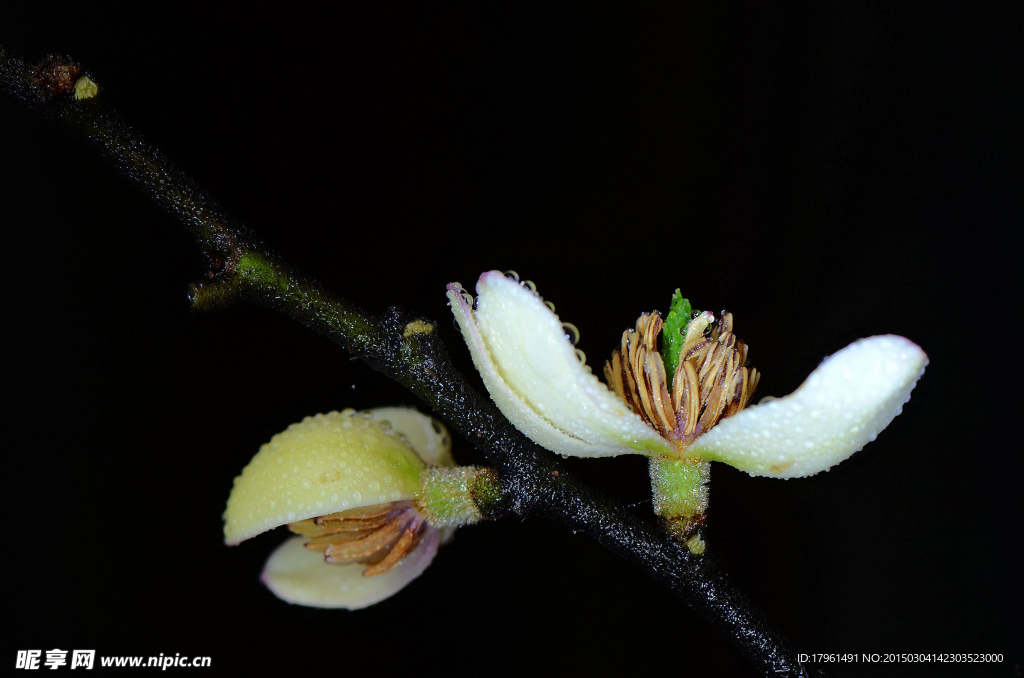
679,314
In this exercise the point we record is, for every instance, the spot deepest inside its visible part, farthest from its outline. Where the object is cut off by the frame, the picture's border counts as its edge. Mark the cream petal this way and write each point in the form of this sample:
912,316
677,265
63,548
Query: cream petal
841,407
532,373
300,576
324,464
428,436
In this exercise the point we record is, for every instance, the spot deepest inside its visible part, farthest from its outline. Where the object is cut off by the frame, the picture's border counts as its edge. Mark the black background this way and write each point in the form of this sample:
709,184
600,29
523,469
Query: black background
825,171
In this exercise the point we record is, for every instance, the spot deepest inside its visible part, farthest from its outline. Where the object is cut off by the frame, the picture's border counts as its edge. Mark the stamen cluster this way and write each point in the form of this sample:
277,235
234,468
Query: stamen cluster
711,380
378,536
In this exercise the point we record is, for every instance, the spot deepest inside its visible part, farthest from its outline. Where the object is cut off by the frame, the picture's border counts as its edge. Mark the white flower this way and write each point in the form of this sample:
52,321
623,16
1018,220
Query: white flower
533,374
349,484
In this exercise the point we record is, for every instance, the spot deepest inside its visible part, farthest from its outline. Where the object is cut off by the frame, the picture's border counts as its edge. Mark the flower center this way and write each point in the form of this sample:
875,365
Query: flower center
378,536
710,383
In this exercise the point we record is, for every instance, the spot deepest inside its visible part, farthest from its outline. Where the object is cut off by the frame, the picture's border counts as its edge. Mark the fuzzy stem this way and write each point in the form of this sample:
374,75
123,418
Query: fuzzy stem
459,496
680,494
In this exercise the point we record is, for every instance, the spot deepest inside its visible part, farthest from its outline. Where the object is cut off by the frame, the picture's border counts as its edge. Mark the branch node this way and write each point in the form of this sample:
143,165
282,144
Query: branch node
55,76
417,327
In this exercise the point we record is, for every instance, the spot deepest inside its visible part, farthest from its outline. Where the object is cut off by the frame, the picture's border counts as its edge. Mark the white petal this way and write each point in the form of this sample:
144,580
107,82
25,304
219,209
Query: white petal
532,373
428,437
839,409
300,576
323,464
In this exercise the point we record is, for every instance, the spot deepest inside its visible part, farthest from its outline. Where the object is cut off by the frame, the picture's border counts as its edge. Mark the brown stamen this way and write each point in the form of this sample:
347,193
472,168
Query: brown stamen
406,543
379,536
636,373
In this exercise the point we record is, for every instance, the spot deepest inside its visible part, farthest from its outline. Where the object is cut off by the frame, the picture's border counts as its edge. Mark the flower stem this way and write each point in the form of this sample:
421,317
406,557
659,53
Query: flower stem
680,493
462,495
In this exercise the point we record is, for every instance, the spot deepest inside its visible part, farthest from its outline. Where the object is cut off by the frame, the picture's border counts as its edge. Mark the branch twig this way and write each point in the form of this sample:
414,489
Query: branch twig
406,348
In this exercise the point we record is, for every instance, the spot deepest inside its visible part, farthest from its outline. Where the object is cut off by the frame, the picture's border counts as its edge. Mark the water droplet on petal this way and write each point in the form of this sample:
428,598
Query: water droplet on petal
571,333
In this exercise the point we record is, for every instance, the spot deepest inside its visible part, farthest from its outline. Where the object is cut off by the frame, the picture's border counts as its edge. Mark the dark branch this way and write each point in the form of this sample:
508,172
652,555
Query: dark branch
406,348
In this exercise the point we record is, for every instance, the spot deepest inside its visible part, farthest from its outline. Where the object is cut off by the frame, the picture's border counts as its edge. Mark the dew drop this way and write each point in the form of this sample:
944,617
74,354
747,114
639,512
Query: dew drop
571,333
512,275
528,284
581,356
550,305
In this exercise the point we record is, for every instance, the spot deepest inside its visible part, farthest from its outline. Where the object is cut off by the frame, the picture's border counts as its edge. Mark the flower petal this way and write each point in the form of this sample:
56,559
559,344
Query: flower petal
428,437
300,576
323,464
534,377
839,409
